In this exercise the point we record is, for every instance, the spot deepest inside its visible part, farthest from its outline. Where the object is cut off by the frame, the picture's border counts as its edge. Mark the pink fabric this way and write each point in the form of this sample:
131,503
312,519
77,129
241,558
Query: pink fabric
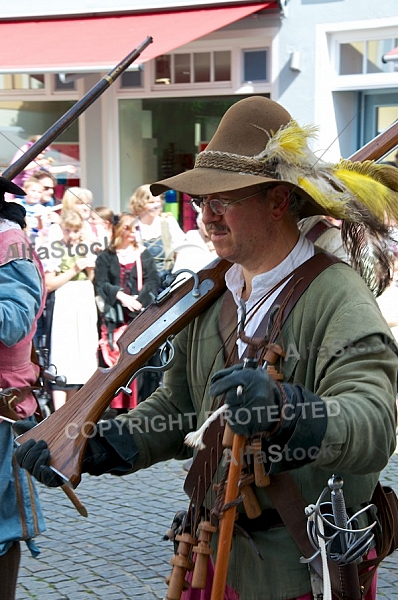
16,367
205,594
230,594
110,357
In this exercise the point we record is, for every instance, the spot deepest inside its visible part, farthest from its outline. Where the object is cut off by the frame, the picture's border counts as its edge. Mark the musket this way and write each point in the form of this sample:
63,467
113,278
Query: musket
381,145
74,112
66,430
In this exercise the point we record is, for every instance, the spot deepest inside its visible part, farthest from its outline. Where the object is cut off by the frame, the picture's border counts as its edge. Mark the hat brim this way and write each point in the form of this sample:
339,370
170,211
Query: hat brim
8,186
201,181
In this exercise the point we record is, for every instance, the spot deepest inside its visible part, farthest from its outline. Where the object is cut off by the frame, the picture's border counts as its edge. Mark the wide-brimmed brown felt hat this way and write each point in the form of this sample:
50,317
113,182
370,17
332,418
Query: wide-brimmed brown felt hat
234,158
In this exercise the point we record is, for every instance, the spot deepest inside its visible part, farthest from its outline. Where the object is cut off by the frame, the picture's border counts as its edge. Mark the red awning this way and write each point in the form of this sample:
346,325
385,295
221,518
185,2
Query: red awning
392,55
99,44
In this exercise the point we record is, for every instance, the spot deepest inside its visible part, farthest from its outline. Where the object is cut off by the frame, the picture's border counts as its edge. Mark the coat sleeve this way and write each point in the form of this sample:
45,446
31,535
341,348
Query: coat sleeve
150,279
107,277
18,312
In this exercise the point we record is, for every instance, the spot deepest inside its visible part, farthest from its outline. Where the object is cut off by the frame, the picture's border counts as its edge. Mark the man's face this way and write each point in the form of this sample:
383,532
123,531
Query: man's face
245,231
48,189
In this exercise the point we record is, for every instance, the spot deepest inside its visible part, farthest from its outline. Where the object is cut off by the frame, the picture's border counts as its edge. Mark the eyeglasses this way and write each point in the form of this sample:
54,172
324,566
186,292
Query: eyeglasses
217,205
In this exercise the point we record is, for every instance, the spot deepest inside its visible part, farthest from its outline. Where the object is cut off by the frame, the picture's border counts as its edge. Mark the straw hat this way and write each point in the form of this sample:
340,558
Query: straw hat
258,142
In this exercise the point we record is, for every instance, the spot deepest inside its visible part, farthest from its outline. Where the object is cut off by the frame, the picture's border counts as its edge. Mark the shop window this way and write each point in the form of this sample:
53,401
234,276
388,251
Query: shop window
131,79
163,69
254,65
351,58
198,67
61,85
182,68
222,66
364,57
202,67
21,81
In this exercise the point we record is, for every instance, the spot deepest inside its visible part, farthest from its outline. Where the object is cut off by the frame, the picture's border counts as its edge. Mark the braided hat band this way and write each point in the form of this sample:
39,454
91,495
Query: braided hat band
214,159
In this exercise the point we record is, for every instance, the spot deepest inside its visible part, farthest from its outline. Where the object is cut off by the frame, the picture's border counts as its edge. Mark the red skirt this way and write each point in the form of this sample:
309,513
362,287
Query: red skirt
110,357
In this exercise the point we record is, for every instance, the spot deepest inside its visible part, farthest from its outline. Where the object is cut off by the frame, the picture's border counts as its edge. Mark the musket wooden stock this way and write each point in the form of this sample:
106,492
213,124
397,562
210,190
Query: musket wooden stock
66,431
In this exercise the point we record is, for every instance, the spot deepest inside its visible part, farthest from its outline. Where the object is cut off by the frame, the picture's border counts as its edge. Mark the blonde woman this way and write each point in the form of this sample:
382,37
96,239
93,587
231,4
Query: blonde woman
160,232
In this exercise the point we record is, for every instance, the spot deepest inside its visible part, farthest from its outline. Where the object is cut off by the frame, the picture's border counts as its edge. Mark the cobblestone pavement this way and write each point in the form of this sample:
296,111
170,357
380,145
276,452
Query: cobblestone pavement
117,552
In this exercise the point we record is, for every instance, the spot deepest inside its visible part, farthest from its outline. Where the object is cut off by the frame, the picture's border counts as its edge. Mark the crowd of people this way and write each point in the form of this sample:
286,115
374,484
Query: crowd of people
101,269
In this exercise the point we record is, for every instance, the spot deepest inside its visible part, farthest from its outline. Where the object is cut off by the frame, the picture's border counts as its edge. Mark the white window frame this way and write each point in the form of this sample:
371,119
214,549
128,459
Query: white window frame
360,80
235,42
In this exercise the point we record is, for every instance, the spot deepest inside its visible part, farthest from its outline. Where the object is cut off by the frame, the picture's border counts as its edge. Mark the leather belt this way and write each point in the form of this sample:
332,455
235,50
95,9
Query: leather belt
10,398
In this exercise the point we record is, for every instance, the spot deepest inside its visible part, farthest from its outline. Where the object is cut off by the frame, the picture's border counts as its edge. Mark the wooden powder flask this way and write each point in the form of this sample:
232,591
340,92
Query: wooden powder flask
203,551
250,502
239,445
261,479
181,563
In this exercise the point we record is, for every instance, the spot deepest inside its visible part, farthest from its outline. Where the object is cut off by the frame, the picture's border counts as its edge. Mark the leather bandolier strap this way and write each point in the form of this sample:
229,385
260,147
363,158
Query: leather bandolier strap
318,229
283,492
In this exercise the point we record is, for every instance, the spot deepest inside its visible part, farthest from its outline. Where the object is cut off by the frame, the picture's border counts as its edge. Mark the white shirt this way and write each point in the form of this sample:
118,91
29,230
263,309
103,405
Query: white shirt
153,231
262,284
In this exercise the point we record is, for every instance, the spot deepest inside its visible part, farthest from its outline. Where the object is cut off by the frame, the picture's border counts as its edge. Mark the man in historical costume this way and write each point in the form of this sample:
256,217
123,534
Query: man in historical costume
334,411
22,296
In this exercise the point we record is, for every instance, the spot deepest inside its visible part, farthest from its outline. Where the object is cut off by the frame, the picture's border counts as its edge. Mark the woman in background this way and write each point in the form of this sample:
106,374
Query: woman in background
74,337
125,281
160,232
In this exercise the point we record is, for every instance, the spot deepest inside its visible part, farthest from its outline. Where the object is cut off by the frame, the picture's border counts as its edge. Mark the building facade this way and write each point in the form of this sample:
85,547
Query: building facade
329,62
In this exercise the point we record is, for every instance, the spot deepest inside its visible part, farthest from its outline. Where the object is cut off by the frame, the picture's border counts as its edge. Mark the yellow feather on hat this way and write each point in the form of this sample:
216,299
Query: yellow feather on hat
374,185
364,195
290,145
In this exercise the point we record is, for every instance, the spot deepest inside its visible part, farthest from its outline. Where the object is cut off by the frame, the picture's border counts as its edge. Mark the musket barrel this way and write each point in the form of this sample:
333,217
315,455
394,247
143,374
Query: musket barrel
73,113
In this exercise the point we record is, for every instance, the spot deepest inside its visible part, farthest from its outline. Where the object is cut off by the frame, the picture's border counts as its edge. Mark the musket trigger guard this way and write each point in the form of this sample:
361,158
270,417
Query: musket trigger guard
167,358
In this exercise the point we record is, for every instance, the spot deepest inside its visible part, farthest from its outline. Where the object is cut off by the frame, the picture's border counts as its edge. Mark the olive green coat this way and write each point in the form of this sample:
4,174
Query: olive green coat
358,384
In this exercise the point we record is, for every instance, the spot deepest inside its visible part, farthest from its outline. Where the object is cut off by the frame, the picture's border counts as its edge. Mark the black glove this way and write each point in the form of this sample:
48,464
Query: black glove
111,450
35,458
291,416
254,399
